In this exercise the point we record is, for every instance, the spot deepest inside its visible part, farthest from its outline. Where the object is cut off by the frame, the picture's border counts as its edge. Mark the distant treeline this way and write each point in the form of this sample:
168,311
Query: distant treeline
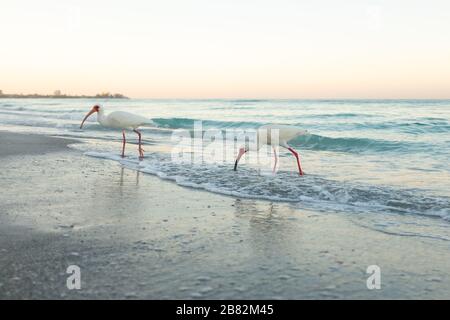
63,96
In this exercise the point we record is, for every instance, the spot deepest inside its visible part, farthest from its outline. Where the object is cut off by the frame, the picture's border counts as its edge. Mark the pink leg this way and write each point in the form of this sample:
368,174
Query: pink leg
141,151
298,160
123,144
276,159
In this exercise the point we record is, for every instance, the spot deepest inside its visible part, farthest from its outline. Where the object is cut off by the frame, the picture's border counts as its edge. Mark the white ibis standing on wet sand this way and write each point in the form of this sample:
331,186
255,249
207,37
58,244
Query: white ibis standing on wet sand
264,137
120,120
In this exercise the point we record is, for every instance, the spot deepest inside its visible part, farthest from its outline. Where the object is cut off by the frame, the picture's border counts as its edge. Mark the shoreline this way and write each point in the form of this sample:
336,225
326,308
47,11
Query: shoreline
135,236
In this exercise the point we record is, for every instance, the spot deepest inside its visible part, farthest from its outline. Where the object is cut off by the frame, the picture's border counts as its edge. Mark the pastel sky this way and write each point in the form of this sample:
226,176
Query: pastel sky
227,48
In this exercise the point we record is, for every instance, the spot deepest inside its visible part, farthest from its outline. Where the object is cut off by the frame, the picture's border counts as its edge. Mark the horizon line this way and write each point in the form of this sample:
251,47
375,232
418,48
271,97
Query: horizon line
75,96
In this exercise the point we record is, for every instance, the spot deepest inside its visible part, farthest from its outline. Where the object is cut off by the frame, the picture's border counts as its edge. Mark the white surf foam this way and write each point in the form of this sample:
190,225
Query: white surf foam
308,191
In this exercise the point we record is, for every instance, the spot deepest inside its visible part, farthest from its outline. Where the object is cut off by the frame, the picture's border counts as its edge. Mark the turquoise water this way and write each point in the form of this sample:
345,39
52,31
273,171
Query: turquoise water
374,157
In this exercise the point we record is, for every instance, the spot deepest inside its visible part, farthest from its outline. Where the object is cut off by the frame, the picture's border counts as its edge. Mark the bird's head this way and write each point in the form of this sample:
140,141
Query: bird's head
94,109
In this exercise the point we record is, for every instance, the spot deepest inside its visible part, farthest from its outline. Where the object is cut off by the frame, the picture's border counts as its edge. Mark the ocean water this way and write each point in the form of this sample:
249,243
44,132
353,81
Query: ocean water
385,160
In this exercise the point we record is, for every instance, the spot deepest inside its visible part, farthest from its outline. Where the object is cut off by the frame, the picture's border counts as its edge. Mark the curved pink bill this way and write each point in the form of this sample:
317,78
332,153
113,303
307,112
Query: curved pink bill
87,116
241,153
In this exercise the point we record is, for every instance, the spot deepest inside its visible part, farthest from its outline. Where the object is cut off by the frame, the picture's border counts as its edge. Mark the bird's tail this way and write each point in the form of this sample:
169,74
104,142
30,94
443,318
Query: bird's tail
152,125
149,123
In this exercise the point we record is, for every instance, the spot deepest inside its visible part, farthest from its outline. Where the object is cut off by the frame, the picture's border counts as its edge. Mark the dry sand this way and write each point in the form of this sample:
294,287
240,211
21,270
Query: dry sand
136,236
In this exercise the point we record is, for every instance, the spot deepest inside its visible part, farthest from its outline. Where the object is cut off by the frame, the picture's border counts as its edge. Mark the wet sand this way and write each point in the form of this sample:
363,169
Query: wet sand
24,144
135,236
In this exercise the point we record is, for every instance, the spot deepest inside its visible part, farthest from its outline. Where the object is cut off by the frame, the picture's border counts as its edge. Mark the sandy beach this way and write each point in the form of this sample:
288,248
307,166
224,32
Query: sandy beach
136,236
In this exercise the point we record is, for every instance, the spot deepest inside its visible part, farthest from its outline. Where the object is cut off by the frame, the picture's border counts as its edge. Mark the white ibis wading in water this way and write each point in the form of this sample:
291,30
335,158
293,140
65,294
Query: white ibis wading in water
120,120
264,137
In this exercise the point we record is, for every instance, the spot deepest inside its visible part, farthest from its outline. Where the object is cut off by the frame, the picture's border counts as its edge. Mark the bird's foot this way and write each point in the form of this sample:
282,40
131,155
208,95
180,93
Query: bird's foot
141,153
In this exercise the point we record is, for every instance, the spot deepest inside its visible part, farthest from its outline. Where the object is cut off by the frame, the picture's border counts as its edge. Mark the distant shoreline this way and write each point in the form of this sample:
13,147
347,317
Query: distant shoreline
63,96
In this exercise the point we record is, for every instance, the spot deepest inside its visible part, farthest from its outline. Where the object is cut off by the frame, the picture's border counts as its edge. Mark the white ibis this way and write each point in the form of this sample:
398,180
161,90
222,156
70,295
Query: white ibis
119,120
264,137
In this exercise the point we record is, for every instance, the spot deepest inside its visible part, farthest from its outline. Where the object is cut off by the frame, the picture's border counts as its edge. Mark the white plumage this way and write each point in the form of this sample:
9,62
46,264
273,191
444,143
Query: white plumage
121,120
285,134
